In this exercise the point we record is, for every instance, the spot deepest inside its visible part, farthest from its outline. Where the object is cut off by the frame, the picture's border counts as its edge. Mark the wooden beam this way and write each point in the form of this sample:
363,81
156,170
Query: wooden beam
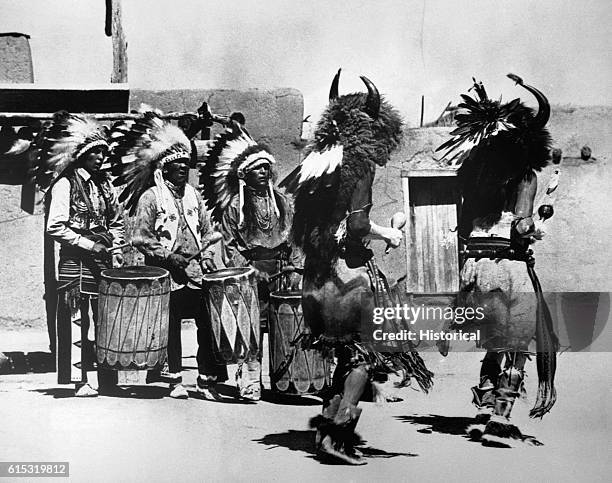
32,98
408,235
25,118
120,63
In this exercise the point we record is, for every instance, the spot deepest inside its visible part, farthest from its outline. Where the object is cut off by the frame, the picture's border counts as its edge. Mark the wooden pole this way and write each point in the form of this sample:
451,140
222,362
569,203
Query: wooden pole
50,283
422,109
25,118
120,62
443,112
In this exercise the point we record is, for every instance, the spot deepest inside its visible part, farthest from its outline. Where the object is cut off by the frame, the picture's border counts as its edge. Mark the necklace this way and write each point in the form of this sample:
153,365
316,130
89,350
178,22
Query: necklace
263,215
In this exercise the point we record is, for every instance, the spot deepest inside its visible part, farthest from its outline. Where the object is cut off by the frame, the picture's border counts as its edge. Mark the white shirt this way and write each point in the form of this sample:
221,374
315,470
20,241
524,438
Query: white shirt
59,212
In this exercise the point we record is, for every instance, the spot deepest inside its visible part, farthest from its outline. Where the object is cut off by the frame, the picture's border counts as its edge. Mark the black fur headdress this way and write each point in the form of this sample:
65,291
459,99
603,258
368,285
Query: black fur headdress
497,145
355,133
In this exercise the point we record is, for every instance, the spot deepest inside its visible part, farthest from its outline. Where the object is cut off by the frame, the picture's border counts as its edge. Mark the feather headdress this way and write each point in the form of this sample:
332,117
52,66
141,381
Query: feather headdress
233,153
482,119
63,141
141,148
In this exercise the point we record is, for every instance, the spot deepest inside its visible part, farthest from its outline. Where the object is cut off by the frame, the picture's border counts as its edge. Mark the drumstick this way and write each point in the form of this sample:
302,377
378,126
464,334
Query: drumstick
284,271
215,237
120,247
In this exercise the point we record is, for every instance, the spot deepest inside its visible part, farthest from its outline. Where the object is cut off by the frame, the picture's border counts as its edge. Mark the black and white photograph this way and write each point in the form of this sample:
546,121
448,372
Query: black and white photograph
343,240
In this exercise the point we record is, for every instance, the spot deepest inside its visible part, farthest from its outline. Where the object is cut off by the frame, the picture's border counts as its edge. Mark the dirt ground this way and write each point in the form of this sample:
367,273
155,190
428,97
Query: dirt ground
150,437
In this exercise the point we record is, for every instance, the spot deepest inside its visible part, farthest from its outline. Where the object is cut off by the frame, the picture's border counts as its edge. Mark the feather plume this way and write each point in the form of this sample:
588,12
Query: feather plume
495,145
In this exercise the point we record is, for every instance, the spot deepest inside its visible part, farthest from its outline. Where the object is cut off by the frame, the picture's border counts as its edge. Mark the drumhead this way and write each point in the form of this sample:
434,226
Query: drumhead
225,273
136,272
286,294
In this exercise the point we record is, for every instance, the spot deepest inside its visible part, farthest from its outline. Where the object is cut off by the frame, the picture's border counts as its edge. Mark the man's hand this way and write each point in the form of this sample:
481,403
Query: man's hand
100,251
295,281
208,265
392,236
261,276
118,260
177,261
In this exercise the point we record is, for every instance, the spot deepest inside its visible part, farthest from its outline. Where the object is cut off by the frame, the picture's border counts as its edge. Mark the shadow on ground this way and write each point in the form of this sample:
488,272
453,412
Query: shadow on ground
304,441
457,426
27,362
275,397
439,424
132,392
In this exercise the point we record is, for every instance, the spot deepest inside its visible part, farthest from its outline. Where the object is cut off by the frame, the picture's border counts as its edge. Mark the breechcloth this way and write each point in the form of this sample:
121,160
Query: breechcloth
547,343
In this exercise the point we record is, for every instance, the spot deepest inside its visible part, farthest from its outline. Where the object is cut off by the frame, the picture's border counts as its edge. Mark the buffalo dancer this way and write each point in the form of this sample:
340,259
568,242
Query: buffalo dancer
501,146
342,286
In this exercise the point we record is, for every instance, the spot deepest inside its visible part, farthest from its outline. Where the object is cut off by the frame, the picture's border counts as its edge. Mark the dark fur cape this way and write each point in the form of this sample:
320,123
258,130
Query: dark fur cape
493,168
322,203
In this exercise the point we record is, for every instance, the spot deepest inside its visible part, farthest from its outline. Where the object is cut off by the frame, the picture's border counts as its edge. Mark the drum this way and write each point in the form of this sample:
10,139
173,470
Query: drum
231,298
293,370
133,318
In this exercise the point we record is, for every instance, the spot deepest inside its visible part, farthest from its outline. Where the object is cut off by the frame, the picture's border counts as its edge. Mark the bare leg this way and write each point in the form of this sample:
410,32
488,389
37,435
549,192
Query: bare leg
484,393
336,427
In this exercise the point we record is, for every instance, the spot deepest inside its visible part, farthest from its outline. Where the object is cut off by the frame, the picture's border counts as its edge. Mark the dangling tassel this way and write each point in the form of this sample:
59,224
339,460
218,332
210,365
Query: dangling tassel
273,198
241,201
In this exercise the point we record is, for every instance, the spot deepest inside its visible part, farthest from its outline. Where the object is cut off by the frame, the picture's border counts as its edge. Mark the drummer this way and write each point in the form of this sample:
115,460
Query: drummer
84,216
255,227
173,231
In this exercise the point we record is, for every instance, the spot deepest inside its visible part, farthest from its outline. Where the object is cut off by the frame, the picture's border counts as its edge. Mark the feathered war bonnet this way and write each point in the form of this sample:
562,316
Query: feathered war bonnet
231,156
141,148
496,145
63,142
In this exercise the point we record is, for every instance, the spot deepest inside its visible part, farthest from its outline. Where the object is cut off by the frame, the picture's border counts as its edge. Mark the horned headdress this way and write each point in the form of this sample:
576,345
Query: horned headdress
355,133
140,150
63,142
232,155
487,121
497,145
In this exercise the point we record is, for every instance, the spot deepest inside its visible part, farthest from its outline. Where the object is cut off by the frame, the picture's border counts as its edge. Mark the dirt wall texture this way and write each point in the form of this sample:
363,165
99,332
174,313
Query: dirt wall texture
15,58
572,257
